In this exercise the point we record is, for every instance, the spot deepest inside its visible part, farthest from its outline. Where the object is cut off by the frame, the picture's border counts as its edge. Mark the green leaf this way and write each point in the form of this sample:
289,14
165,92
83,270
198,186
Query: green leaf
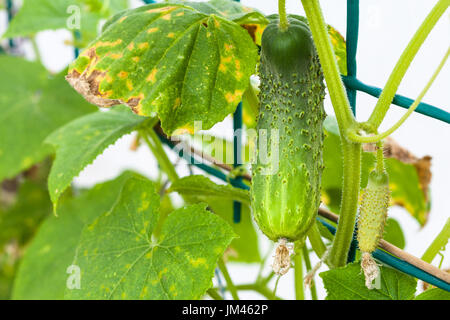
42,272
32,107
393,233
35,16
199,188
245,248
20,221
174,60
8,268
348,283
202,188
434,294
79,142
119,259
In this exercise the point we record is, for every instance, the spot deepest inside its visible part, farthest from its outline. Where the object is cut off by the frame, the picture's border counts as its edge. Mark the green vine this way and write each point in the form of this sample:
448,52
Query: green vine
349,204
353,135
438,243
312,286
284,23
151,139
230,285
351,151
316,241
298,271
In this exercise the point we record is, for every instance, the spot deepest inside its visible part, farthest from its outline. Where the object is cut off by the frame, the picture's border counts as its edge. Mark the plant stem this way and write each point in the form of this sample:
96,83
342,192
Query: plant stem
380,157
312,287
329,65
355,137
266,280
36,49
284,23
349,203
298,271
153,142
226,275
438,243
351,151
316,240
404,62
213,294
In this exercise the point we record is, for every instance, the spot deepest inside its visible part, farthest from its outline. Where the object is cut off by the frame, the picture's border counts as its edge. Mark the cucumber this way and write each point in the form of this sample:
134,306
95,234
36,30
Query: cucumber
371,221
285,190
373,211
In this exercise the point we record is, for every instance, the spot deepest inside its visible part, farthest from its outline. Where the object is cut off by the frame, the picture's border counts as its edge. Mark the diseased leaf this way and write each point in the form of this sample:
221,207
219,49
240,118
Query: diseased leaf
202,188
119,246
32,107
416,201
42,272
348,283
171,59
406,190
393,233
79,142
434,294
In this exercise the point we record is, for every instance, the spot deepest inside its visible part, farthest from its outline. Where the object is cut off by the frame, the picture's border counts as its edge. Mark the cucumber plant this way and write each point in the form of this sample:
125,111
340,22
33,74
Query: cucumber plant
156,71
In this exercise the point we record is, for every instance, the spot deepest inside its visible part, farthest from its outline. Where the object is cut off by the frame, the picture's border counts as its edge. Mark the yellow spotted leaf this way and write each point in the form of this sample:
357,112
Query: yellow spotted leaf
171,59
119,258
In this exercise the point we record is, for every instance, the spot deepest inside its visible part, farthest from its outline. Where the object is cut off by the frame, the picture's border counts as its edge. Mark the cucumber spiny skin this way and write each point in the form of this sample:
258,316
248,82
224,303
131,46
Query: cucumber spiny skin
285,201
373,211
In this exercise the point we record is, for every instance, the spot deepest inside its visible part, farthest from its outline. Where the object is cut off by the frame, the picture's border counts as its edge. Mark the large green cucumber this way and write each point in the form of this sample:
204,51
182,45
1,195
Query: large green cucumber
286,186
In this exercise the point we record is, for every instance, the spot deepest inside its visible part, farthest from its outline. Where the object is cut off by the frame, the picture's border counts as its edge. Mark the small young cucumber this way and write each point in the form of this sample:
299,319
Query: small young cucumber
372,218
286,185
373,211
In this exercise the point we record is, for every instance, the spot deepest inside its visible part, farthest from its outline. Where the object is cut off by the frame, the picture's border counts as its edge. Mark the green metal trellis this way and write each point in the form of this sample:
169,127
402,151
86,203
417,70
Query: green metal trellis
352,85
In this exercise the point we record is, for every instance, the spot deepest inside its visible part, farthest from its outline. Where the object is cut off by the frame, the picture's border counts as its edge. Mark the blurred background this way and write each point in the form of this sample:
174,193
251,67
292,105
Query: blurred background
385,29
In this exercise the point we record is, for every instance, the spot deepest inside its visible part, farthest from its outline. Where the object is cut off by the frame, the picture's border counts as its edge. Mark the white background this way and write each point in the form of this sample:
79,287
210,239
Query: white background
385,29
